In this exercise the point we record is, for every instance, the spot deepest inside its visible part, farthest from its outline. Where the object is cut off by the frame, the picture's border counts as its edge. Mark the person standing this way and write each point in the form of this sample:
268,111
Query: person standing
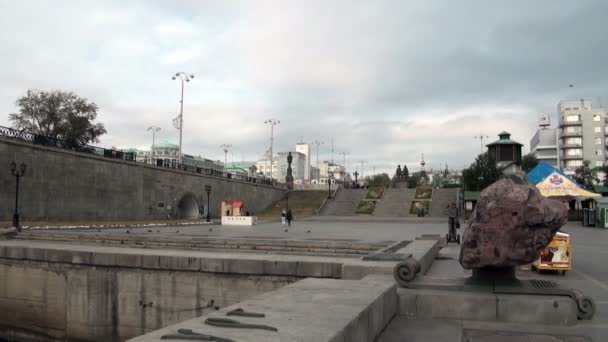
289,218
283,217
452,219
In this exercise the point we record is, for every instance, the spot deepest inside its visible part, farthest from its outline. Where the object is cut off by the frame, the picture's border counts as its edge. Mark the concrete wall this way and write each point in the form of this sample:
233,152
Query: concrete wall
59,301
64,185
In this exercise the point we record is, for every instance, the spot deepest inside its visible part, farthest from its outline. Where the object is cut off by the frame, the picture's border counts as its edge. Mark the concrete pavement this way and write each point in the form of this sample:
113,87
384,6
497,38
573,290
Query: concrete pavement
589,274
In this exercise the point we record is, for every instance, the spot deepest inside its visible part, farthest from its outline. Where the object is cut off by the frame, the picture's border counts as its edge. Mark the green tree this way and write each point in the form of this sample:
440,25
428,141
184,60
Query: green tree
481,174
585,176
58,114
605,171
412,182
381,180
529,162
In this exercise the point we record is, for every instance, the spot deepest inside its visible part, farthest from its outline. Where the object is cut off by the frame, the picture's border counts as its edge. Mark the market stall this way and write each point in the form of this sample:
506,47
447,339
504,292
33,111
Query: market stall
554,183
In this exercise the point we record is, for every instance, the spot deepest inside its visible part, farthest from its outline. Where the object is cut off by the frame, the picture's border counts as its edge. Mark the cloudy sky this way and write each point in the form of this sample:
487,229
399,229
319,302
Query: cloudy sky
388,80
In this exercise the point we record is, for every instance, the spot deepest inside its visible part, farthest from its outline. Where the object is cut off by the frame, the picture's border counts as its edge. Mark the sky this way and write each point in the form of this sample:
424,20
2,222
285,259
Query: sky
387,80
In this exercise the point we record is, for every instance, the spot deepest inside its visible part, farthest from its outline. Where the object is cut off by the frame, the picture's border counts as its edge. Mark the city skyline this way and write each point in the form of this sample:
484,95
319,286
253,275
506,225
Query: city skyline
386,85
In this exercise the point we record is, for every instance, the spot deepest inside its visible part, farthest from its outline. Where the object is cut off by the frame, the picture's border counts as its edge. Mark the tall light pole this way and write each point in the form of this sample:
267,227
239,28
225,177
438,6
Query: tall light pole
272,123
18,173
225,148
332,150
208,191
317,143
183,77
362,162
154,129
481,136
344,154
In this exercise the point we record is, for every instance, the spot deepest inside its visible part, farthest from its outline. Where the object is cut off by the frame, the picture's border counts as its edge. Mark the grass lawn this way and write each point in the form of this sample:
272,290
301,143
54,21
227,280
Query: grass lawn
302,204
374,193
416,205
424,193
365,207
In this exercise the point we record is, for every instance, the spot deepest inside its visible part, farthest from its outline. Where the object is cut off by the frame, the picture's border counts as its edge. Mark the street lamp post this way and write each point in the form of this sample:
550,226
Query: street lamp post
154,129
344,154
481,136
272,123
318,143
225,148
183,77
329,185
208,190
17,172
362,162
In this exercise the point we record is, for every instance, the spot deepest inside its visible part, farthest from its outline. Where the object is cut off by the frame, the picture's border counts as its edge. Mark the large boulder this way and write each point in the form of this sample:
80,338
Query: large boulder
512,223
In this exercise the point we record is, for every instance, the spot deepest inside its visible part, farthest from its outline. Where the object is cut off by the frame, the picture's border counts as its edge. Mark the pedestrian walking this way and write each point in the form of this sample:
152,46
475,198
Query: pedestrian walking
283,217
289,217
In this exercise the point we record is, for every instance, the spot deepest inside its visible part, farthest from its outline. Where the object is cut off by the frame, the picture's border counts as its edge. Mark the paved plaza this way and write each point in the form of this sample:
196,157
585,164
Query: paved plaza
590,245
589,274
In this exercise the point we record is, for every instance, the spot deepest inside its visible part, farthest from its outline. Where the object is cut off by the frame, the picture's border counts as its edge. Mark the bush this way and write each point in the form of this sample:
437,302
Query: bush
365,207
416,205
424,193
375,192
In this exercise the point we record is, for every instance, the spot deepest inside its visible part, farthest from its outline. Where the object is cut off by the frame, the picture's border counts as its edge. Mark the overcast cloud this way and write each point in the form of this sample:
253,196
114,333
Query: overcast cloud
388,80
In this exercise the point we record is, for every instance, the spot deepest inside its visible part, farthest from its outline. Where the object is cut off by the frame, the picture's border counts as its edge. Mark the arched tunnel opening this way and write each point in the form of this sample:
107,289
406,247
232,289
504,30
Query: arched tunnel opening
187,207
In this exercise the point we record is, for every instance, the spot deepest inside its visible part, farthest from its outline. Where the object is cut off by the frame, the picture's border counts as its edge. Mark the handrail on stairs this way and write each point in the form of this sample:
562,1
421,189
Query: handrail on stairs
318,211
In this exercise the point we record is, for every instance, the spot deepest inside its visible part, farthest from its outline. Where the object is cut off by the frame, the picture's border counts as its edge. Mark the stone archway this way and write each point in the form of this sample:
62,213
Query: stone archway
187,207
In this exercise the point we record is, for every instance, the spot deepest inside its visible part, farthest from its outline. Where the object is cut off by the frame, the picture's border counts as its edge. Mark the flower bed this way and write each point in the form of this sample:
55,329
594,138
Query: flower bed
374,193
365,207
424,193
416,205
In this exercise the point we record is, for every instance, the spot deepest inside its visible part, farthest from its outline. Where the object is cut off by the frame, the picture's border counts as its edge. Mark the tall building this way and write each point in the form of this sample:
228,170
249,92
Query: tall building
298,165
305,150
263,166
582,134
327,169
166,153
544,146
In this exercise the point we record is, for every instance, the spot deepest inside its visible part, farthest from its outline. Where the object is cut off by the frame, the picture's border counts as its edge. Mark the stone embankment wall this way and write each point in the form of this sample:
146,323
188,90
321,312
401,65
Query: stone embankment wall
56,292
60,185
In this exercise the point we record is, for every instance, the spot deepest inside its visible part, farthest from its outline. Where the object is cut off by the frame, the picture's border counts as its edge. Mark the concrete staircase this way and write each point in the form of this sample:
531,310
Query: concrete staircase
440,201
344,202
395,203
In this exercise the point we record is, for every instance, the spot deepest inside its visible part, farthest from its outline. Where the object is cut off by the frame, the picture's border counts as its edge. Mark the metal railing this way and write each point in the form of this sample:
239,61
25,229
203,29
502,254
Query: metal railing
37,139
216,173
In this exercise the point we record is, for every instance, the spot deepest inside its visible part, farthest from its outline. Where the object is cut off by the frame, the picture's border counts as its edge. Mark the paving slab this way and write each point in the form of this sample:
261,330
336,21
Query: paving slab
314,310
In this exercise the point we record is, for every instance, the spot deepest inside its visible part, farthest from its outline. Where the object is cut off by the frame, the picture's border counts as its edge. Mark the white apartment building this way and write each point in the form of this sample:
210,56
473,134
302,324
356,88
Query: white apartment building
544,146
582,134
330,170
263,166
304,149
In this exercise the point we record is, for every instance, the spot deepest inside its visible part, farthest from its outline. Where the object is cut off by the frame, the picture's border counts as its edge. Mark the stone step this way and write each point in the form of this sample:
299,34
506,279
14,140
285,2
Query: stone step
335,248
344,203
440,201
395,203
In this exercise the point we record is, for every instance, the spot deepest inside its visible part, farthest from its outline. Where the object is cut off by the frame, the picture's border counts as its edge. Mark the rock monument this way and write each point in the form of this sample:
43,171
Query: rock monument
511,224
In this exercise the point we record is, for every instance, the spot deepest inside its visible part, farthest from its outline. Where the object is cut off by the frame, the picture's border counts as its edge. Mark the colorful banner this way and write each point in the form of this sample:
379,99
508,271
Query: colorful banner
558,185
